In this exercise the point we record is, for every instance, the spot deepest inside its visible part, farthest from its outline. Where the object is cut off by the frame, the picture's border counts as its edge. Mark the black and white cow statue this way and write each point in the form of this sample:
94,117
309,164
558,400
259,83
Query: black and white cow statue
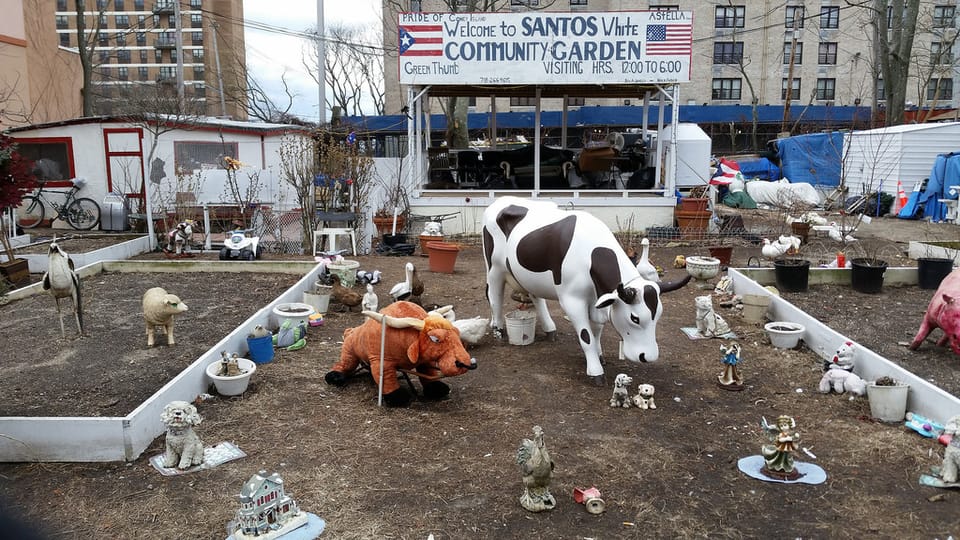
571,256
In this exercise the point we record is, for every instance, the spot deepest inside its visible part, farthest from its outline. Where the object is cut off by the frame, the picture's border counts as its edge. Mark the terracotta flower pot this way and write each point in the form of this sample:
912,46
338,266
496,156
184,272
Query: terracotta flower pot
425,240
443,256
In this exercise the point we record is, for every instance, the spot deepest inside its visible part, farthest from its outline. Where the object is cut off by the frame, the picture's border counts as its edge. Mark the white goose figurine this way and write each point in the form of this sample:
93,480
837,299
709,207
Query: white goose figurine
647,270
403,290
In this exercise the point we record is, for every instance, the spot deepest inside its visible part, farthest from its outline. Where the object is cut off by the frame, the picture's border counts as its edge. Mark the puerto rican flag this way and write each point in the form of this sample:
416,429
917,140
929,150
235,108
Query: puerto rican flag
726,172
669,39
421,40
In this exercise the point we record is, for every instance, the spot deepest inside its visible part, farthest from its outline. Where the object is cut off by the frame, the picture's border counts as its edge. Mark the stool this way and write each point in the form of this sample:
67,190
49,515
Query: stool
331,233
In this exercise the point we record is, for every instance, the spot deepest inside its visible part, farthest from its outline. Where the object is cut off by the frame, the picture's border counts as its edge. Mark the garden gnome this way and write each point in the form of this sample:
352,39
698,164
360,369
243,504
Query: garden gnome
778,456
730,379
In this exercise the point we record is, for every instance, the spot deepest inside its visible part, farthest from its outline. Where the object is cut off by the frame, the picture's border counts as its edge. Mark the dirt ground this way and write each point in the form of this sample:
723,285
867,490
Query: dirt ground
448,468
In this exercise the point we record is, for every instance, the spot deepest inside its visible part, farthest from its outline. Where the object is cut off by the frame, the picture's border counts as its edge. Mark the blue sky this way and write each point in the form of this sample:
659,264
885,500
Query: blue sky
272,54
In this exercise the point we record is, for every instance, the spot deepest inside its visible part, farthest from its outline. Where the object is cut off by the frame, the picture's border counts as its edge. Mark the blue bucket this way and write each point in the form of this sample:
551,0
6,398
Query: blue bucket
261,349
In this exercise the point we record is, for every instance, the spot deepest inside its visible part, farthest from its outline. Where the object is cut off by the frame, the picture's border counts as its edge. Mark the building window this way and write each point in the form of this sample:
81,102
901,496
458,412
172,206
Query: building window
827,53
144,73
472,101
171,21
101,4
143,56
797,54
123,56
941,53
168,72
196,20
728,89
173,55
881,90
123,73
121,39
122,21
62,23
578,2
158,56
943,16
61,5
64,40
194,155
940,90
103,39
195,4
138,5
198,72
826,89
523,101
530,3
103,57
57,156
118,5
794,17
830,17
200,90
141,38
156,21
198,55
729,16
727,52
197,38
794,90
571,101
103,21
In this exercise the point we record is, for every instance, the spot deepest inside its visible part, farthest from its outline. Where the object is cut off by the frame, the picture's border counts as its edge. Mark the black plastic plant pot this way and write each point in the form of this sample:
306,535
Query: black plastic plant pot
866,275
394,239
792,275
932,270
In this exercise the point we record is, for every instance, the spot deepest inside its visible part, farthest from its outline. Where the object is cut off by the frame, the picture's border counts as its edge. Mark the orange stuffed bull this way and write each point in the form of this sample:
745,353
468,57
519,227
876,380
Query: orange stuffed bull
415,340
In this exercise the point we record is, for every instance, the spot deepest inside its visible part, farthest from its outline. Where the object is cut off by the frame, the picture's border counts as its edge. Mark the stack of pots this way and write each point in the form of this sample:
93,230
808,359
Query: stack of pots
693,217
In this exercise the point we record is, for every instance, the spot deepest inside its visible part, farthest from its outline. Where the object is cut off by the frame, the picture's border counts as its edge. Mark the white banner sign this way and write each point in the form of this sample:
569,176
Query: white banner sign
545,47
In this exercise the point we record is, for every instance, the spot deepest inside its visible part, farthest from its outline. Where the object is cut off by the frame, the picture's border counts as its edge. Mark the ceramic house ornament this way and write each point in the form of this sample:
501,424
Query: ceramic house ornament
730,378
267,511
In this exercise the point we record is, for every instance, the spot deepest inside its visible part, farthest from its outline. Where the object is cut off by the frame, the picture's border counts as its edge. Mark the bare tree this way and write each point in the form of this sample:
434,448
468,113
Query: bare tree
85,44
353,67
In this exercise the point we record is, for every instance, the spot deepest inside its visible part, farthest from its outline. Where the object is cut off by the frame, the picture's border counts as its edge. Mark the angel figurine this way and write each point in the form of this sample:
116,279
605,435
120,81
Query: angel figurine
778,457
730,379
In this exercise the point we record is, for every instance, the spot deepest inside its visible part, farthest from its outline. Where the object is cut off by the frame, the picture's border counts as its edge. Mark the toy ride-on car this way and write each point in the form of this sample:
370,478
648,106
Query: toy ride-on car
238,245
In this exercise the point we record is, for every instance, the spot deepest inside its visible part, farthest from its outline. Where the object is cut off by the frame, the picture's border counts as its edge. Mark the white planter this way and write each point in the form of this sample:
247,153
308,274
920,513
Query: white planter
784,334
235,385
888,403
292,311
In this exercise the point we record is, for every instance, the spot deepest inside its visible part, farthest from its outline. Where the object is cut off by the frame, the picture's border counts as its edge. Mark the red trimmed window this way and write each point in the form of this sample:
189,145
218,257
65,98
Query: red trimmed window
52,156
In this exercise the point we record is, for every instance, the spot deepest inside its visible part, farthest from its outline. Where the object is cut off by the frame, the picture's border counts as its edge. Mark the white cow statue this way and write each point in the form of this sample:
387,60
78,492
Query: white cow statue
571,256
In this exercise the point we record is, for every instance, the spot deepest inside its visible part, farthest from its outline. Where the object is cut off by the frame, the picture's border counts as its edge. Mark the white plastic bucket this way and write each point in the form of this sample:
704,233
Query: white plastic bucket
521,326
755,308
295,312
318,301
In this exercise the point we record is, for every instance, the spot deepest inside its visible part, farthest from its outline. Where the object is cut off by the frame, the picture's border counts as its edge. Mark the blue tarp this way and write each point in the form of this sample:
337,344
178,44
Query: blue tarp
944,175
762,168
814,159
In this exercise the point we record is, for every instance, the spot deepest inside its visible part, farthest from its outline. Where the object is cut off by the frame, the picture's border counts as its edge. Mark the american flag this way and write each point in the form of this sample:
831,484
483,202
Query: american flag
421,40
669,39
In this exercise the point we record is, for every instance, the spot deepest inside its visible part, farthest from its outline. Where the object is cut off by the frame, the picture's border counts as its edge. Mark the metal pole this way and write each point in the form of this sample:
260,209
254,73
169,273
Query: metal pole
216,56
322,63
179,23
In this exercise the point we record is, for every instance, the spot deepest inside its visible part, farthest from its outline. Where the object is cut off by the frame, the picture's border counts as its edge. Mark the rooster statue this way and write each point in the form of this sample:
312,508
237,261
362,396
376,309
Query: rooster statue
62,282
537,469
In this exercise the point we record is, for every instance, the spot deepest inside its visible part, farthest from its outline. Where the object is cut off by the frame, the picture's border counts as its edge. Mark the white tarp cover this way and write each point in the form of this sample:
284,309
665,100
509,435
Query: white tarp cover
783,194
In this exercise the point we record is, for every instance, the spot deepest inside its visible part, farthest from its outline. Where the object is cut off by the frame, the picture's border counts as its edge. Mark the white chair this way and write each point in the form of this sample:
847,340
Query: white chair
333,224
331,233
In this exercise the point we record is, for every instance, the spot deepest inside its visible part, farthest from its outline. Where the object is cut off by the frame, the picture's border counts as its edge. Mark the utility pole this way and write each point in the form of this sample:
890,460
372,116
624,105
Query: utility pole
216,55
322,63
789,91
176,14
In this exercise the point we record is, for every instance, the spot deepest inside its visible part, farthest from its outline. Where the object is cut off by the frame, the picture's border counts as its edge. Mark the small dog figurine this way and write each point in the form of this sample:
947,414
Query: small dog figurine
621,396
183,448
644,397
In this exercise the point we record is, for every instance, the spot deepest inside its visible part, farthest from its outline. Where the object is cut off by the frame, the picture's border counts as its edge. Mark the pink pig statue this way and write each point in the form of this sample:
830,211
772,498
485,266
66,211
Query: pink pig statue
943,313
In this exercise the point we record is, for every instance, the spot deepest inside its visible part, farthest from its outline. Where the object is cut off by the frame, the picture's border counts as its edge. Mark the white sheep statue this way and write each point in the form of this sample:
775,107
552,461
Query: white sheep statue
159,307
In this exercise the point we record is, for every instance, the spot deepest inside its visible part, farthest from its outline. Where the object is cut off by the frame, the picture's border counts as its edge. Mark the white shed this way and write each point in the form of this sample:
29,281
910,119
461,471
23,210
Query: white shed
875,159
693,154
112,155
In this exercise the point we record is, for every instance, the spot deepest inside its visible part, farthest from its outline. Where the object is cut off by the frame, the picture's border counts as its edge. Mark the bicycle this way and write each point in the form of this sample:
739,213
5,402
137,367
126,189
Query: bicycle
80,213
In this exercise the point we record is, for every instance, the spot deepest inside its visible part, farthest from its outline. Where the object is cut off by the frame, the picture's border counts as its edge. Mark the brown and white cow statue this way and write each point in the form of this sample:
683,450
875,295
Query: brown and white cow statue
425,343
571,256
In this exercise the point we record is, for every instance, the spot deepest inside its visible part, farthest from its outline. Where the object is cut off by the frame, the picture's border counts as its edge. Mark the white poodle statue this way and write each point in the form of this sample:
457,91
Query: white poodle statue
951,456
621,396
183,448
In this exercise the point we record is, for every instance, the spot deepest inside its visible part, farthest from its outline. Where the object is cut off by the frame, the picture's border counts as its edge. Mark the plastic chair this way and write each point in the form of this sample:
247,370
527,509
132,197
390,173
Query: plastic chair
330,234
